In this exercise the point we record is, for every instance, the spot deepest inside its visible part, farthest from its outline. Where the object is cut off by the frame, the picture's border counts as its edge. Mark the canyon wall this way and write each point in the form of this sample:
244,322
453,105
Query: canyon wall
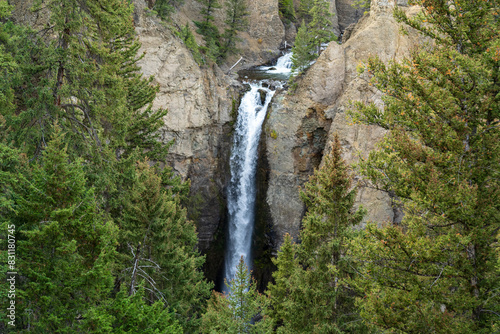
302,122
259,44
202,103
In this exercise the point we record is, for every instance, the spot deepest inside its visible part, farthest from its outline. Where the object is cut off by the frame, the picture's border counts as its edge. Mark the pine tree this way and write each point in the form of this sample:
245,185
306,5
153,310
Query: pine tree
236,21
236,312
304,10
8,65
188,38
87,77
320,28
310,37
10,163
88,80
166,7
65,247
212,50
287,9
281,293
437,271
160,247
302,55
208,29
130,314
319,299
207,11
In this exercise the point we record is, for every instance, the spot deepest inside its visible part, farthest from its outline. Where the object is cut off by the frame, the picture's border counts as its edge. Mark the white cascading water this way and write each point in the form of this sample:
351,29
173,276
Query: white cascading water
241,196
283,65
284,62
243,164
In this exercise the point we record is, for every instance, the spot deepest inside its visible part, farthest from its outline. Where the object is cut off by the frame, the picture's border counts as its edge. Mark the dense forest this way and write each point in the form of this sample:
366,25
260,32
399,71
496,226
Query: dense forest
95,232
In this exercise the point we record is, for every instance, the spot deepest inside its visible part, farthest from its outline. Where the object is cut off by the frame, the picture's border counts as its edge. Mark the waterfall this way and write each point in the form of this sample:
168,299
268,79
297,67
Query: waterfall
243,164
284,63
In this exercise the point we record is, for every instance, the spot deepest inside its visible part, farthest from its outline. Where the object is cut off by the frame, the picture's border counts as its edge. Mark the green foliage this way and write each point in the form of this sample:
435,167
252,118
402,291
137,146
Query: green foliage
87,77
310,37
5,9
188,38
208,29
287,278
207,10
10,162
305,9
73,198
437,270
159,246
320,28
166,7
234,313
318,298
130,314
302,55
212,50
65,268
236,21
362,4
287,9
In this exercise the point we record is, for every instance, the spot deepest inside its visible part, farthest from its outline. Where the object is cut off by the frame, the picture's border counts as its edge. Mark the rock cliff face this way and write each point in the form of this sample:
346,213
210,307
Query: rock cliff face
200,102
259,44
347,14
302,123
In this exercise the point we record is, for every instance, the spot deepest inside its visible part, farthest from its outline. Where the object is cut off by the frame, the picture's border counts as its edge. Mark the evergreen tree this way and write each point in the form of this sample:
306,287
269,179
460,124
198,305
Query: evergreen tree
319,300
160,247
437,271
207,11
287,278
87,77
208,29
65,247
236,312
309,38
320,28
188,38
236,21
10,163
166,7
301,51
304,10
130,314
287,9
212,50
8,65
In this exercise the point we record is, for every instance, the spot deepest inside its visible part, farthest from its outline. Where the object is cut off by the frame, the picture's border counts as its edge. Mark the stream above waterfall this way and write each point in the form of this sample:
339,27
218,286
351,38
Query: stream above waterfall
280,71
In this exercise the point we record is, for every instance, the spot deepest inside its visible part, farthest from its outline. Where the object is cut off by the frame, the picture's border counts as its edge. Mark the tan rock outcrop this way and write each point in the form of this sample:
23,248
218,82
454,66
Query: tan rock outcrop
326,89
347,14
199,101
259,44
